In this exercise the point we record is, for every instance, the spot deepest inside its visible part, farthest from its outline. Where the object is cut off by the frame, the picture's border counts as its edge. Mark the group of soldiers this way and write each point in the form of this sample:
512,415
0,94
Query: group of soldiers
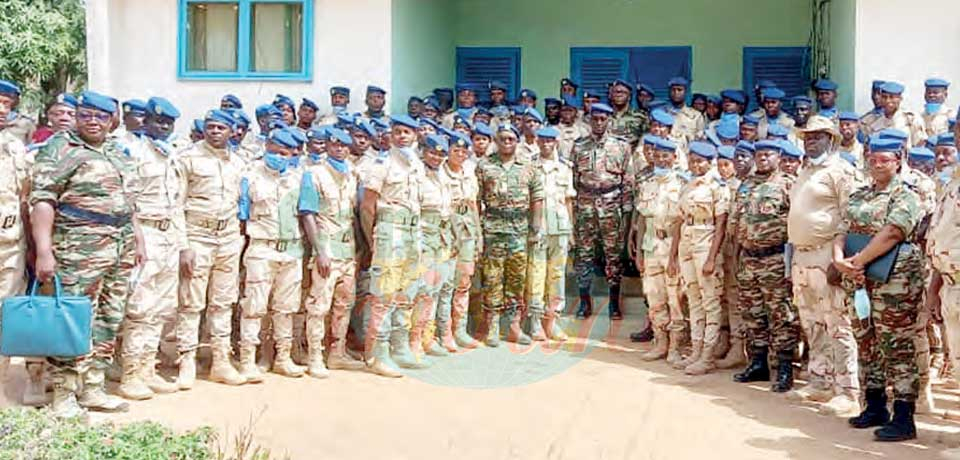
365,237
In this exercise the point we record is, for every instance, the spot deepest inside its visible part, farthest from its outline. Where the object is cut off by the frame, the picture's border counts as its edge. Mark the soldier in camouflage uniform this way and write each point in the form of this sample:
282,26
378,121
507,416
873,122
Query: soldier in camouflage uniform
888,210
82,199
16,124
890,115
604,181
730,353
761,225
625,123
511,192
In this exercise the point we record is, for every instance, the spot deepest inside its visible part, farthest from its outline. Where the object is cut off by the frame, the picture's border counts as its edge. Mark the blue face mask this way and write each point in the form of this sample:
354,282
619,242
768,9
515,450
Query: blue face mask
316,157
294,162
275,162
660,172
932,107
409,152
728,117
340,165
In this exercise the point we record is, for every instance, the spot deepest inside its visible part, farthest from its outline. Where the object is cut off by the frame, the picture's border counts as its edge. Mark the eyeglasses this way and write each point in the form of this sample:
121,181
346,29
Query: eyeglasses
99,116
881,161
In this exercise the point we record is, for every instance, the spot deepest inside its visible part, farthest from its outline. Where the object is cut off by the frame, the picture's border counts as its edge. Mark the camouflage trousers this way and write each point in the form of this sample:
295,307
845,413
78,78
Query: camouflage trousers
950,306
454,302
547,275
99,267
825,321
394,273
730,319
886,340
663,295
439,263
598,219
703,293
271,285
153,300
504,272
214,288
333,296
768,314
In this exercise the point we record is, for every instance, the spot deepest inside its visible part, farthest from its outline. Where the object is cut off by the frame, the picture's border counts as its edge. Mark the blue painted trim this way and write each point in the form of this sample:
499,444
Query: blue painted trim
244,18
513,53
752,52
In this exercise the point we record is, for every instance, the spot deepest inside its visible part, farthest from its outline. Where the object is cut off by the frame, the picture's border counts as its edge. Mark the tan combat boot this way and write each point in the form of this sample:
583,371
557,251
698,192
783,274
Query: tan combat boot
187,374
445,333
673,348
132,385
65,405
222,370
381,363
703,365
431,345
315,367
283,363
735,356
842,405
695,352
249,369
94,397
35,391
659,350
154,381
515,334
491,321
551,327
810,392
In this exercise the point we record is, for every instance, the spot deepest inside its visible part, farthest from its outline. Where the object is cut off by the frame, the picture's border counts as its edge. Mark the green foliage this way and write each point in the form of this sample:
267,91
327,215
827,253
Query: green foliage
43,47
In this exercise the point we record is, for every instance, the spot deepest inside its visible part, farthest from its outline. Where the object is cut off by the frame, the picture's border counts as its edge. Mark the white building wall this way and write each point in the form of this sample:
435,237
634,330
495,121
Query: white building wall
908,42
132,48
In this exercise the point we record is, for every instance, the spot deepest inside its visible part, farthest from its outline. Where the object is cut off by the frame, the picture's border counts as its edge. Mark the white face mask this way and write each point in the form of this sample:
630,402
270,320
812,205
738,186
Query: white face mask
817,161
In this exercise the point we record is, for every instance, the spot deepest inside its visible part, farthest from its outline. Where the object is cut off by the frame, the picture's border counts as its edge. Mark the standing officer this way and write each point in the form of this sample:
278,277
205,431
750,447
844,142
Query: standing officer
16,124
623,122
61,114
210,263
891,116
937,116
770,317
288,110
604,183
849,128
773,112
730,350
307,114
339,100
826,91
688,122
83,202
230,101
376,100
568,127
498,100
466,105
568,87
511,192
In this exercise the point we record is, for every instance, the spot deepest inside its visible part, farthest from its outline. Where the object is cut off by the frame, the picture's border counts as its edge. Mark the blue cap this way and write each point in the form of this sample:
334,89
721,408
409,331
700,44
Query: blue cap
497,84
662,117
339,135
518,110
267,110
791,150
892,87
665,144
430,122
646,88
777,130
548,133
550,101
849,158
764,84
233,100
746,146
532,112
375,89
463,87
483,129
198,125
658,104
921,154
877,84
459,120
678,81
712,137
802,101
160,106
458,139
380,125
650,139
318,132
824,84
622,82
239,117
893,133
482,111
773,93
284,137
275,124
726,152
769,144
750,120
601,108
591,95
346,118
298,135
714,99
404,120
849,116
8,87
734,95
309,103
341,90
704,150
284,100
508,127
135,106
568,81
97,101
698,96
728,130
946,139
936,83
570,101
528,93
362,125
880,144
438,143
220,116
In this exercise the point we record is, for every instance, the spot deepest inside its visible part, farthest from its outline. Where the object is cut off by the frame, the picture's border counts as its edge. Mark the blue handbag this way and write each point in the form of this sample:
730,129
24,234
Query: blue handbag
57,326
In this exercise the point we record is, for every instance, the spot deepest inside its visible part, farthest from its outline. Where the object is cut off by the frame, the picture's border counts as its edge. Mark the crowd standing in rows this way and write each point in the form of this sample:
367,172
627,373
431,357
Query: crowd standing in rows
366,236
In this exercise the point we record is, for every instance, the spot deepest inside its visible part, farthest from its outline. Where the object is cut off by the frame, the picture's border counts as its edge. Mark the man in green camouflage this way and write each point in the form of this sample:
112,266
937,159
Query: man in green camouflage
82,199
624,122
512,193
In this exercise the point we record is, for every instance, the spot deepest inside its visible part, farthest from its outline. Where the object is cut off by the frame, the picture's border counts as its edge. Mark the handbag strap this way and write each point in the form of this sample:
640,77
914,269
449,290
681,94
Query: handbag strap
58,288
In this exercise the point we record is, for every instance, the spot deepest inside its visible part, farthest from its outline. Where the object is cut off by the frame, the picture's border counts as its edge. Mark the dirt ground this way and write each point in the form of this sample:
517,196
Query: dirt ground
592,399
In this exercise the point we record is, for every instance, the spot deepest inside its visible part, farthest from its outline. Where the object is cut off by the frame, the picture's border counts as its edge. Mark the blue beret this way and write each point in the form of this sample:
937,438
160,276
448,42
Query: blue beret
438,143
430,122
233,100
135,106
240,117
298,135
650,139
461,140
824,84
750,120
769,144
161,106
746,146
777,130
483,129
532,112
893,133
601,108
528,93
339,135
764,84
548,133
404,120
646,88
8,87
375,89
198,125
459,120
804,101
849,116
415,99
714,99
380,125
341,90
266,110
569,101
662,117
657,104
460,87
590,95
346,118
318,132
946,139
439,91
849,157
283,100
712,137
567,81
497,84
791,150
773,93
678,81
508,127
482,111
551,101
364,126
283,137
877,84
727,152
622,82
921,154
309,103
734,95
892,87
66,99
881,144
703,149
220,116
276,124
97,101
518,110
665,144
936,83
728,130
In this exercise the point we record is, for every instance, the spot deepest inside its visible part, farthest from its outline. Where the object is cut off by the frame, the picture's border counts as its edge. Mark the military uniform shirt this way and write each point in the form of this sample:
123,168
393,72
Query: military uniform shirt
557,189
601,166
212,180
939,121
817,200
629,125
507,190
161,186
397,179
908,122
658,202
762,217
702,200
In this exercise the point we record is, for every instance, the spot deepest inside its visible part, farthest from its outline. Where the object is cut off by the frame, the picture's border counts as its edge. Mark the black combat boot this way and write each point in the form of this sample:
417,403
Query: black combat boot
784,381
645,335
901,428
876,413
586,304
757,370
614,306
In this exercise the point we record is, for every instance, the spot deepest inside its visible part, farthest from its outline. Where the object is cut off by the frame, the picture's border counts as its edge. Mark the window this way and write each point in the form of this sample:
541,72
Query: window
788,67
476,67
595,67
245,39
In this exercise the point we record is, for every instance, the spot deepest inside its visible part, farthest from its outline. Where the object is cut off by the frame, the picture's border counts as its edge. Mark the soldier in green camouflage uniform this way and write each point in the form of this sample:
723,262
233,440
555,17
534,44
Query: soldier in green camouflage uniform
83,197
761,226
511,191
624,122
889,210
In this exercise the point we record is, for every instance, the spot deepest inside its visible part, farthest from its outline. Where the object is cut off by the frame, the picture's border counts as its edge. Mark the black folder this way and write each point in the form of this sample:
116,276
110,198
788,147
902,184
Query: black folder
882,267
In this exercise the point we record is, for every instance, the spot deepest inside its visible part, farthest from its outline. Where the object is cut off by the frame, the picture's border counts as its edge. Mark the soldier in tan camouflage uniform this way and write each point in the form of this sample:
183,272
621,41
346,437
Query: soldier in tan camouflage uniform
891,115
688,122
936,115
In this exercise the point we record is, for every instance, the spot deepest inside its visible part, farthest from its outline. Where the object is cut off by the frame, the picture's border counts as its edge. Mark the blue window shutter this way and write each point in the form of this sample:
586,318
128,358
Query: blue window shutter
476,67
595,68
788,67
656,65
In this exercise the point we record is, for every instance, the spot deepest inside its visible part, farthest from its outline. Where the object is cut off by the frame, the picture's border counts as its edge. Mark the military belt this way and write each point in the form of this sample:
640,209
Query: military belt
279,245
211,224
92,216
511,214
434,218
161,225
694,221
405,218
765,252
606,192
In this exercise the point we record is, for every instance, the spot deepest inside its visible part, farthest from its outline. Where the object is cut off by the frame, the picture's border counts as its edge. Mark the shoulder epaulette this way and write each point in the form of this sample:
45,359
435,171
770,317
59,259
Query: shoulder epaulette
684,175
